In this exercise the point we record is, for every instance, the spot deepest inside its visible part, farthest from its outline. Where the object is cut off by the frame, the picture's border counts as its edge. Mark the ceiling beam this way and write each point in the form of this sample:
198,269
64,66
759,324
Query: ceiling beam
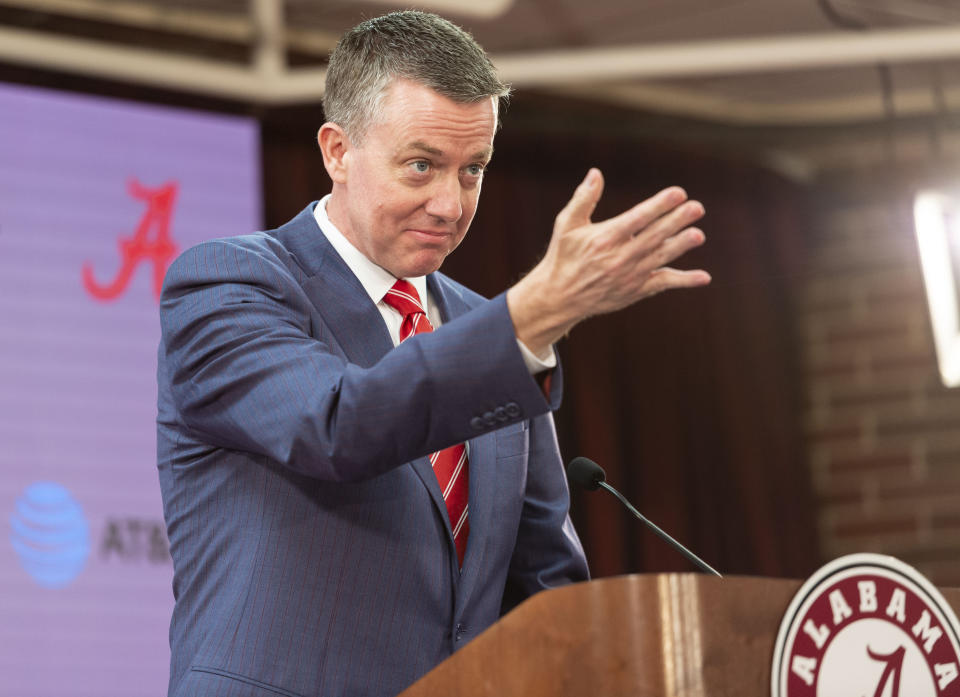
152,68
142,15
200,24
809,110
730,56
524,70
269,54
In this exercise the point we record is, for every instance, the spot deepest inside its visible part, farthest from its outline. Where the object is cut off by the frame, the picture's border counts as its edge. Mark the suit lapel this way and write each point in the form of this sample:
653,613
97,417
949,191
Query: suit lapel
358,328
482,482
336,292
482,485
349,313
351,316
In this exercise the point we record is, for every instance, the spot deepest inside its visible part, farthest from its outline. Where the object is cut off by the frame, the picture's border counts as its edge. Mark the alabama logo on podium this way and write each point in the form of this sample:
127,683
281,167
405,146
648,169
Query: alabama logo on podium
867,625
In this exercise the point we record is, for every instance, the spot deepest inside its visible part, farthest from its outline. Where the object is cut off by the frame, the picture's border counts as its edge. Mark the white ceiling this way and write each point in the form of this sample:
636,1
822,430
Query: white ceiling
734,63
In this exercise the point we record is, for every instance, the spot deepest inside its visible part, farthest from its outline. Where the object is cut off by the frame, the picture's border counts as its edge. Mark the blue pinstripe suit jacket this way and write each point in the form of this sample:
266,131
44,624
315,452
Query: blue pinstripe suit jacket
312,551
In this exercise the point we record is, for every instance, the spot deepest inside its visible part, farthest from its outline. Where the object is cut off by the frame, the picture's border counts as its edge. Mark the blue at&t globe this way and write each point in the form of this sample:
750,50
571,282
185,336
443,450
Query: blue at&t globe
50,534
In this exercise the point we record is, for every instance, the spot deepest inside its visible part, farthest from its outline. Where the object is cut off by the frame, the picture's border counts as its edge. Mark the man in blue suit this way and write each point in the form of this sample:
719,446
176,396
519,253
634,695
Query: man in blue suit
305,416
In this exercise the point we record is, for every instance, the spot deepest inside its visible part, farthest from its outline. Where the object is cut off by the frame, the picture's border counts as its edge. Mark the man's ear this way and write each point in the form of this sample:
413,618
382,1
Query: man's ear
334,145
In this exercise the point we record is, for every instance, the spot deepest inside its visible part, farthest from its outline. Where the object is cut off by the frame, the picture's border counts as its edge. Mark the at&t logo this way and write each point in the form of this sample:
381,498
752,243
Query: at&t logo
50,534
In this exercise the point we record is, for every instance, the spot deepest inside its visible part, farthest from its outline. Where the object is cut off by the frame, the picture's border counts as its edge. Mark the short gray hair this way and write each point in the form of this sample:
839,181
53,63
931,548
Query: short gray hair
410,44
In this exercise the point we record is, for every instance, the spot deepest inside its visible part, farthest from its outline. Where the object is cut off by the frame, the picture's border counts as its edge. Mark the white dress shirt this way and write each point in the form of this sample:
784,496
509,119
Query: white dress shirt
377,281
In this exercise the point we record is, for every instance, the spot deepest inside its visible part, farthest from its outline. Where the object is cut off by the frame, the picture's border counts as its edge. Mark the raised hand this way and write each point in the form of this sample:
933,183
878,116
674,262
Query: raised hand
594,268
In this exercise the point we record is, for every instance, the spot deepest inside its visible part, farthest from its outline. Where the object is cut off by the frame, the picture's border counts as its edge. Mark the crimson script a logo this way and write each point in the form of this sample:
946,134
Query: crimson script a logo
867,625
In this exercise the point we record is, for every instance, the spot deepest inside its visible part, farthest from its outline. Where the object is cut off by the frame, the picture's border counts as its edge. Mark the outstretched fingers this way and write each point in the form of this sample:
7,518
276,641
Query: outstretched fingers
634,221
666,278
672,224
667,249
581,205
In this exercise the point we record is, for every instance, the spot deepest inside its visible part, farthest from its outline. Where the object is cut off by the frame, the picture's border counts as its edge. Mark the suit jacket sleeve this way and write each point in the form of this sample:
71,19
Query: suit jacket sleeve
249,368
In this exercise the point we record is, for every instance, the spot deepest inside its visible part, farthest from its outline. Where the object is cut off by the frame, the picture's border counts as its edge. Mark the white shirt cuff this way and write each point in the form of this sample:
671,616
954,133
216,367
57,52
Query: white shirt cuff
537,364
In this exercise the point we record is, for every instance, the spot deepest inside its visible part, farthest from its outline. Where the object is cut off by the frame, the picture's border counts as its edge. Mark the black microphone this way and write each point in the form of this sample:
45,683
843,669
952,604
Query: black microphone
590,476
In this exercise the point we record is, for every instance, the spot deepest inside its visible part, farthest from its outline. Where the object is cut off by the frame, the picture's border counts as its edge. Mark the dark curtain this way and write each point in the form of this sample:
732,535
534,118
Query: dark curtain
690,400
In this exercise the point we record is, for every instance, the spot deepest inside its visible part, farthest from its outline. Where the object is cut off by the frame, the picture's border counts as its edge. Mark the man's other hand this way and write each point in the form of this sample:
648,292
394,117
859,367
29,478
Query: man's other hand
594,268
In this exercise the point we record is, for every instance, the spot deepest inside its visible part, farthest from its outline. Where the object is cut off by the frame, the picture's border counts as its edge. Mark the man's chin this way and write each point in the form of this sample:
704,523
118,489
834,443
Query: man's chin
422,265
415,272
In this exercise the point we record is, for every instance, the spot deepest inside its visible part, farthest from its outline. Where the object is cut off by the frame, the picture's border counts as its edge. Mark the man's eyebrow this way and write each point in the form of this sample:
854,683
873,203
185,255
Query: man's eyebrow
486,154
420,145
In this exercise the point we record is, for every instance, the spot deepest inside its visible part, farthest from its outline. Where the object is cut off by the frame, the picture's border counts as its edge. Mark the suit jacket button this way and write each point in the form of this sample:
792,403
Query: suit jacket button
513,409
489,419
476,423
501,414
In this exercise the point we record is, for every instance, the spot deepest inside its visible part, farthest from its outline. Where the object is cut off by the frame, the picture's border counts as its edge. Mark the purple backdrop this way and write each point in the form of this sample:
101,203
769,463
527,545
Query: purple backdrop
91,189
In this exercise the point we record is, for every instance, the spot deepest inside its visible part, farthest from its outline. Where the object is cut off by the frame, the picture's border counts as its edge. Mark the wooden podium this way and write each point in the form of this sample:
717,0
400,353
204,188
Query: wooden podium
666,635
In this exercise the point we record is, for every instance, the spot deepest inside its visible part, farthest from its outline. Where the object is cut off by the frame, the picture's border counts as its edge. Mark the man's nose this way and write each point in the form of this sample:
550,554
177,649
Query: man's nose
444,200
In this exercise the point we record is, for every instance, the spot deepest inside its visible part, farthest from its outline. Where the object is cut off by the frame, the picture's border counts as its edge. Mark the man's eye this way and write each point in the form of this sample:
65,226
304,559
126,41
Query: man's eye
475,170
420,166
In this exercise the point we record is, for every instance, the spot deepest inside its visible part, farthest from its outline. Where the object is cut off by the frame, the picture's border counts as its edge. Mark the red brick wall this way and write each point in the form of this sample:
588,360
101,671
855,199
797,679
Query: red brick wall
883,433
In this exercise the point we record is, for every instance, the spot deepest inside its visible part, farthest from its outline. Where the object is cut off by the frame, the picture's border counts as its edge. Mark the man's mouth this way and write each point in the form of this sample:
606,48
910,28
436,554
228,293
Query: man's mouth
431,234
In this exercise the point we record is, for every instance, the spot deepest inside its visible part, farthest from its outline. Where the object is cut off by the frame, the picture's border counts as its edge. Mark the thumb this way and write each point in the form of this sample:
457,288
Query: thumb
584,200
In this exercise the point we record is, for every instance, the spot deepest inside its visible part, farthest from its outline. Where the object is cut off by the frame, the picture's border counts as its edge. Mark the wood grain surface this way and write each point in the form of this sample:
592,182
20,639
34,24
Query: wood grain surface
666,635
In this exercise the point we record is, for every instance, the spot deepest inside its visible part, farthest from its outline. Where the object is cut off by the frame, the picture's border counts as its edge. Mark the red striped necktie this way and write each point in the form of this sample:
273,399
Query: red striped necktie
449,465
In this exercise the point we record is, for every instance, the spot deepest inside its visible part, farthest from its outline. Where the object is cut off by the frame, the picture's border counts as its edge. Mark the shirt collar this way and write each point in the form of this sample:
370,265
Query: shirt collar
375,279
